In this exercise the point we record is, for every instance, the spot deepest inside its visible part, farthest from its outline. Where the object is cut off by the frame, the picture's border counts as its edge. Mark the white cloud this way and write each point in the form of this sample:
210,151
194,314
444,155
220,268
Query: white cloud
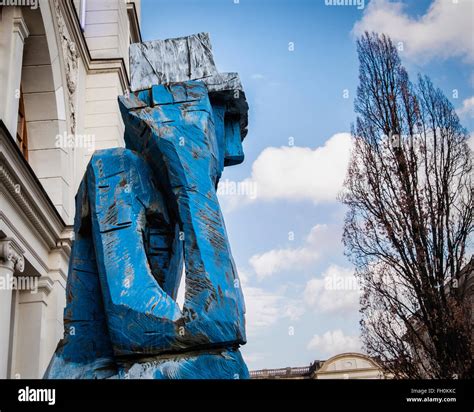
262,309
277,260
292,173
337,290
265,308
322,240
180,297
334,342
300,173
443,31
467,108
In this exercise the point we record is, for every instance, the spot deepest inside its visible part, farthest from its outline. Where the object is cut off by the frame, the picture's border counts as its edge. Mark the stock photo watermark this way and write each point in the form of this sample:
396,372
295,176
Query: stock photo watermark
397,140
83,141
360,4
246,188
20,283
338,282
36,395
33,4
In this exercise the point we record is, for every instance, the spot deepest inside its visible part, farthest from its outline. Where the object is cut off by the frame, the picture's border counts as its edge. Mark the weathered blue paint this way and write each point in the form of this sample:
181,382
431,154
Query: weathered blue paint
141,213
205,364
86,350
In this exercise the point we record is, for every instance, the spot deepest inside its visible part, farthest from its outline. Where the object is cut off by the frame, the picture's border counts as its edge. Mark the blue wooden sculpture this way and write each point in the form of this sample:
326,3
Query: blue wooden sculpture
146,211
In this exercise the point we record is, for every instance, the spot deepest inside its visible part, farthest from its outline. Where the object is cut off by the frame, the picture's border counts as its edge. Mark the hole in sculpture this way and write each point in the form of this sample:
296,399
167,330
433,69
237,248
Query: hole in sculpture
182,289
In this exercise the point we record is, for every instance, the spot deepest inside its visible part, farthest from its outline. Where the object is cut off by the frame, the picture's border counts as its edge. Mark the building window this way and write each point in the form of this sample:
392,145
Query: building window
22,133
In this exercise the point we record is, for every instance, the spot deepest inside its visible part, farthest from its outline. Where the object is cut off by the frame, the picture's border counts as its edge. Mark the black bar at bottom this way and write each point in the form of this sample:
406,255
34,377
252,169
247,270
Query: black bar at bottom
68,394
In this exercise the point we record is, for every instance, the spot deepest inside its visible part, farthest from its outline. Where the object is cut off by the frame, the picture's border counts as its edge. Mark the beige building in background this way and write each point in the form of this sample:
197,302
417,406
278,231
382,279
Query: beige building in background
343,366
62,65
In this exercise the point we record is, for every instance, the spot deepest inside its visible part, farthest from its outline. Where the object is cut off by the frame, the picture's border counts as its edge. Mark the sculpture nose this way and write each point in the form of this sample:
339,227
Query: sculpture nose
234,152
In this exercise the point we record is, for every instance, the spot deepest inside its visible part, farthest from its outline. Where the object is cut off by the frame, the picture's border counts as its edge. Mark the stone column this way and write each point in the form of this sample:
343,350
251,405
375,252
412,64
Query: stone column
11,260
32,357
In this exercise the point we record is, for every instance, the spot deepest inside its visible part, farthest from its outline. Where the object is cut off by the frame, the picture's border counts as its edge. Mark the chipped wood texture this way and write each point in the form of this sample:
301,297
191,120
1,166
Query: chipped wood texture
144,211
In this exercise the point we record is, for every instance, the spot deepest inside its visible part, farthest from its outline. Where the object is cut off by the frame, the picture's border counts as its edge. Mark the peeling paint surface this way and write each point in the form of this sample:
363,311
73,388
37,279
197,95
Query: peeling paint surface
144,211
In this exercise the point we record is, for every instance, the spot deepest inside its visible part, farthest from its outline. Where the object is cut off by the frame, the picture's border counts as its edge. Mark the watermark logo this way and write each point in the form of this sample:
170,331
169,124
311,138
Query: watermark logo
67,141
28,394
11,282
247,188
338,282
33,4
397,141
360,4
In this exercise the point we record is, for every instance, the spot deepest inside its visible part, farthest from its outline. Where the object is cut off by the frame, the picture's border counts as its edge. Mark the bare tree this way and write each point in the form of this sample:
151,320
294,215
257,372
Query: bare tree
410,218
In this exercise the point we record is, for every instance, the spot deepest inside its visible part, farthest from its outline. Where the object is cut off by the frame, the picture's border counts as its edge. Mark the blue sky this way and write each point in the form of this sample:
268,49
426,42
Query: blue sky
301,298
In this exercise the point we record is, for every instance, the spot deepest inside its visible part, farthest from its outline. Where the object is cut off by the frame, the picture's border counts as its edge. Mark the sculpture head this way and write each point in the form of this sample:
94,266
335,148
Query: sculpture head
168,111
181,73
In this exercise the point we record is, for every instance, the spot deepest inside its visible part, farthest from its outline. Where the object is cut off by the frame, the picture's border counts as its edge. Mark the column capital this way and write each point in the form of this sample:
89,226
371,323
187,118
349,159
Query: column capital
20,27
12,254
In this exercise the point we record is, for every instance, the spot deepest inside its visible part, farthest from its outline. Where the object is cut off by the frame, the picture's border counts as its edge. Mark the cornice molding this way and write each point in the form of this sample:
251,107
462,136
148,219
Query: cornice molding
19,26
18,180
14,188
45,285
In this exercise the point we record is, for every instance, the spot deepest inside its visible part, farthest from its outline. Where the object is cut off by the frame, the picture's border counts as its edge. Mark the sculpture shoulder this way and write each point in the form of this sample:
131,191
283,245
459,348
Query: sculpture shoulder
109,162
115,153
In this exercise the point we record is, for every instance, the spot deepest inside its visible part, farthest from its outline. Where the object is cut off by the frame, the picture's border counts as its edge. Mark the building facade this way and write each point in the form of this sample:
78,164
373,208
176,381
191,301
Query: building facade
342,366
62,65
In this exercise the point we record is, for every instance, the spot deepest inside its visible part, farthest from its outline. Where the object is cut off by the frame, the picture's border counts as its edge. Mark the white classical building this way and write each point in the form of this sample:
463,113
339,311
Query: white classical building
62,65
